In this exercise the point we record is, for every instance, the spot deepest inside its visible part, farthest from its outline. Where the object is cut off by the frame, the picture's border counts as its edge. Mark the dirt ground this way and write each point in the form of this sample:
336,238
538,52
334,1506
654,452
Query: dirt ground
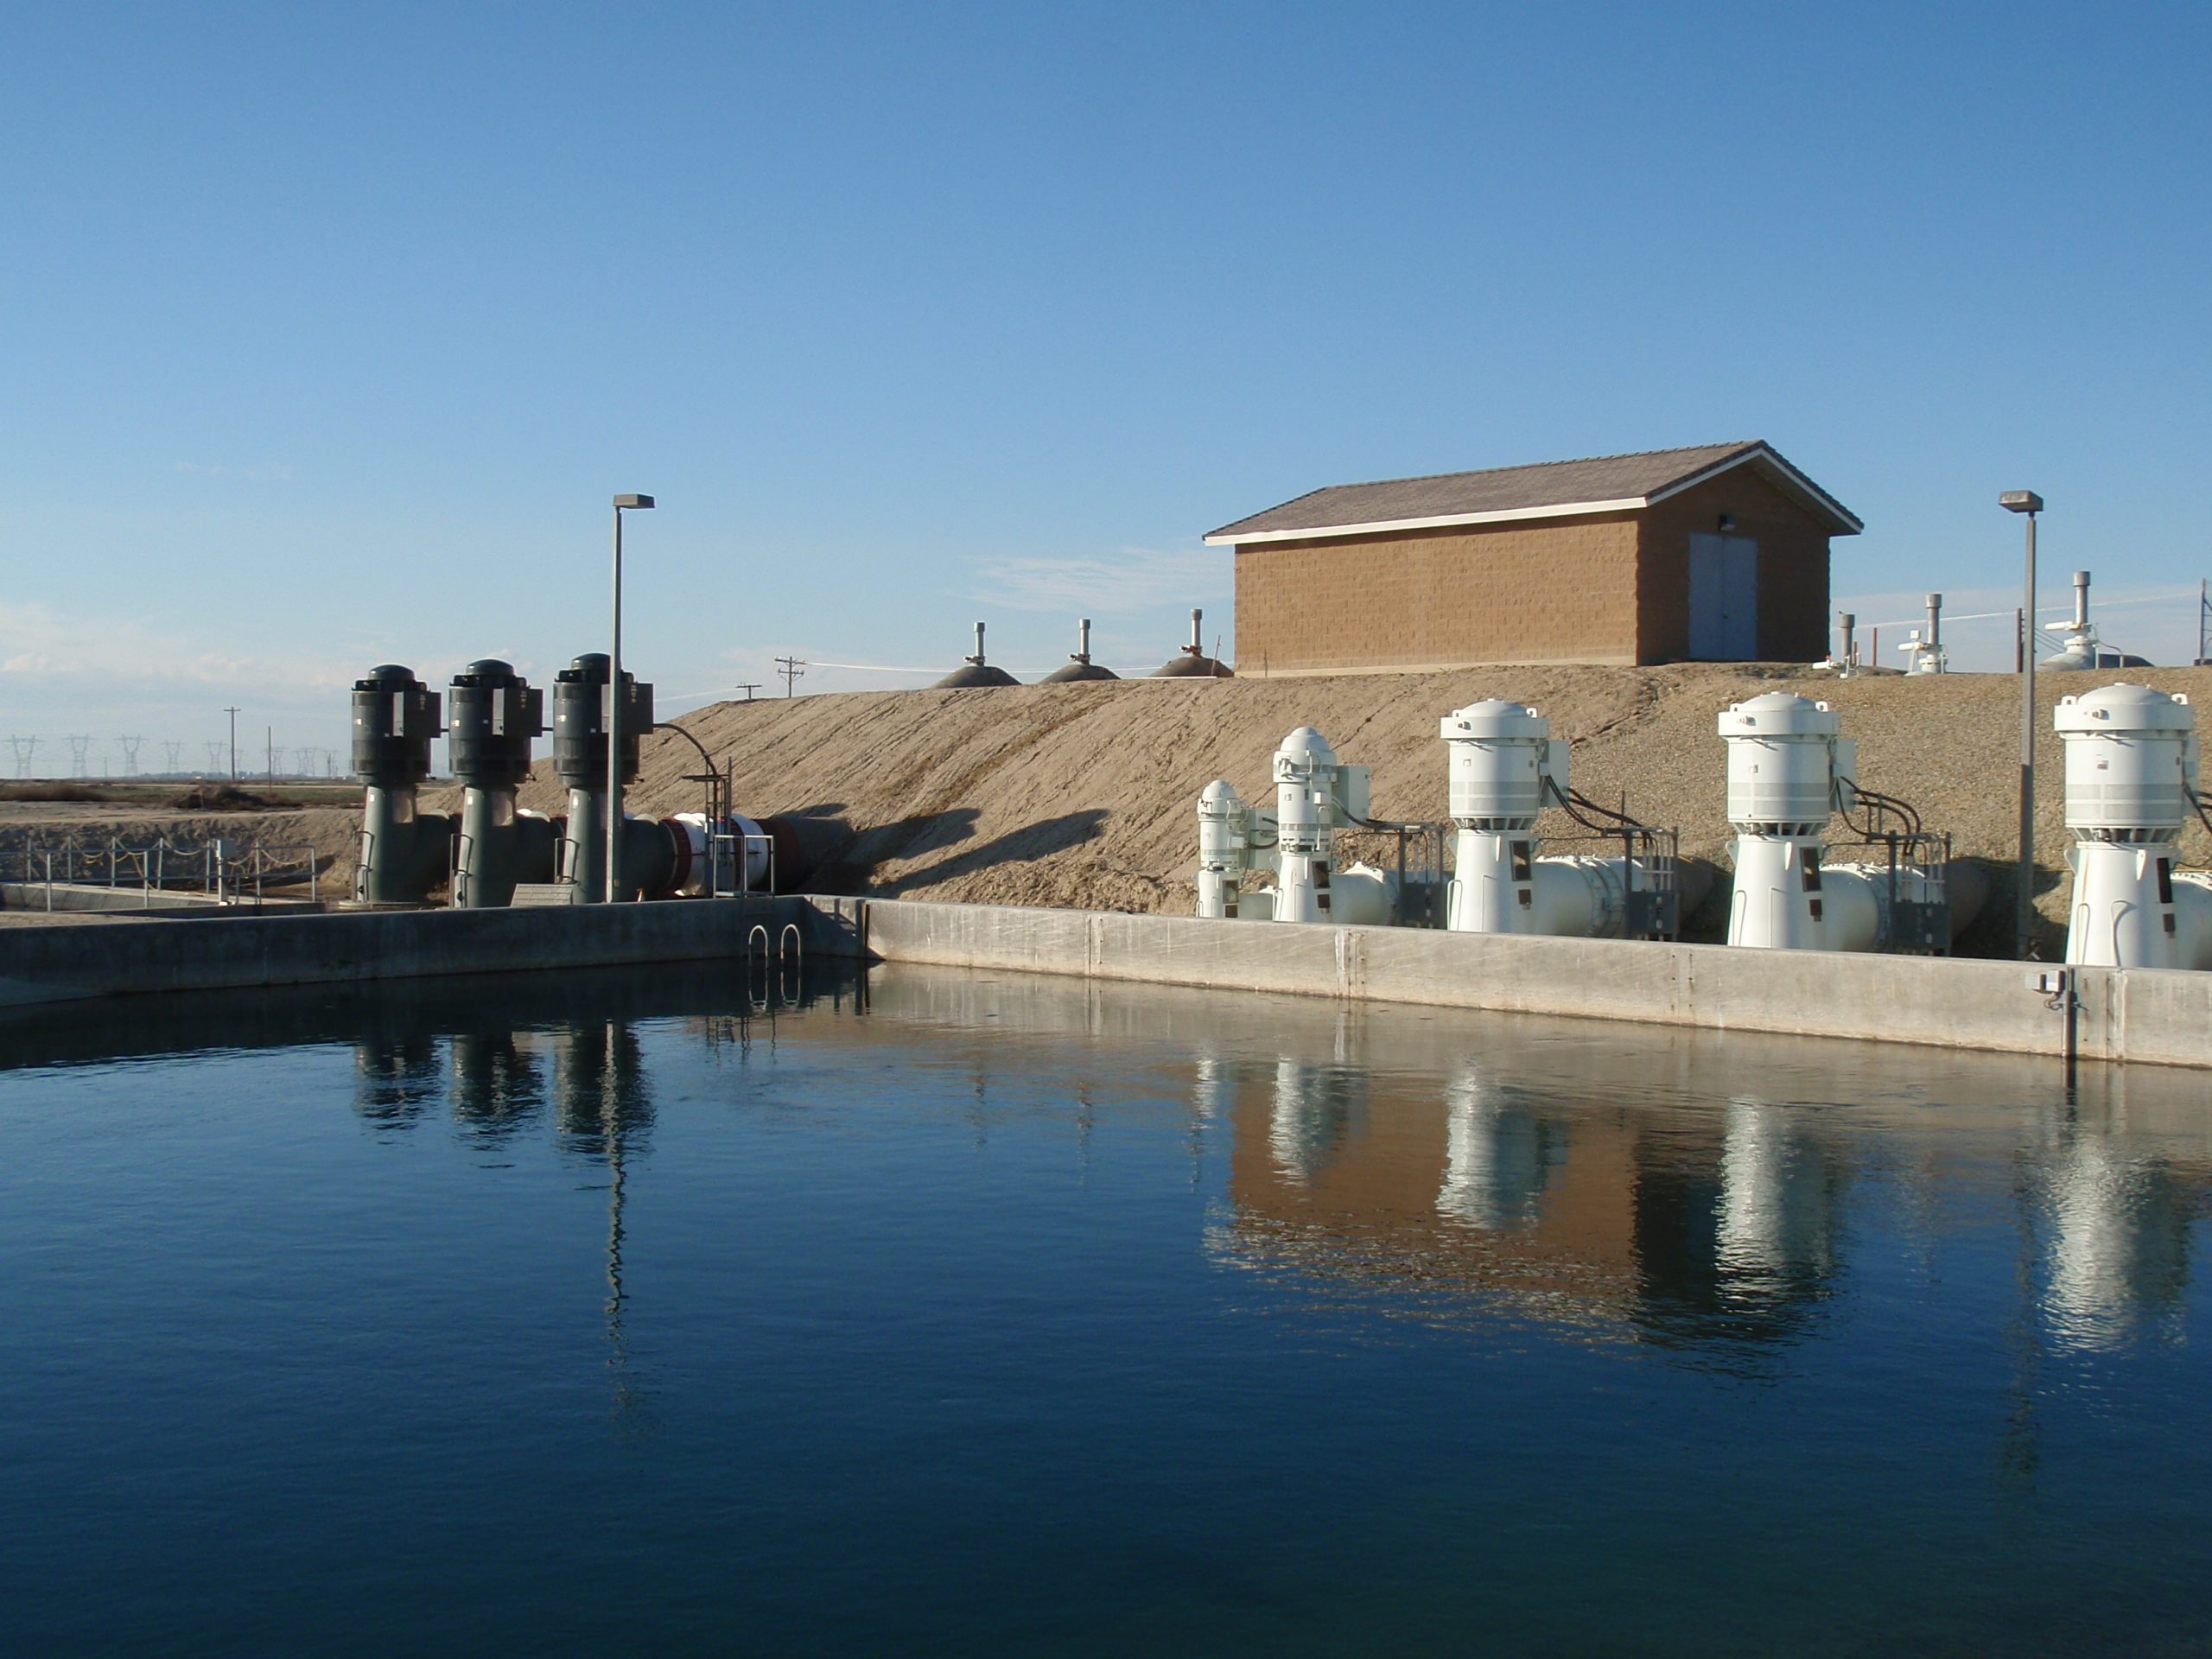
1085,795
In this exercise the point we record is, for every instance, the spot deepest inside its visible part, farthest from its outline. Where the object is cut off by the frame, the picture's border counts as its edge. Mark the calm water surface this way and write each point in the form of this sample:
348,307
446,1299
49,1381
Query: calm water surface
1006,1316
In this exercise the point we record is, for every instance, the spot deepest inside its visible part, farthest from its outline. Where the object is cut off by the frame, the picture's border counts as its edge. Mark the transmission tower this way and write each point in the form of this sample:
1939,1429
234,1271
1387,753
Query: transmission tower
303,762
215,755
175,754
791,668
81,750
330,763
25,747
131,746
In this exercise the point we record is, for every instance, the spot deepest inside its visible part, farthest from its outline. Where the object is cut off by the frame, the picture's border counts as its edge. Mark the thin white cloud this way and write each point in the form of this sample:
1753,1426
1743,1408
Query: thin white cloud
41,646
1134,579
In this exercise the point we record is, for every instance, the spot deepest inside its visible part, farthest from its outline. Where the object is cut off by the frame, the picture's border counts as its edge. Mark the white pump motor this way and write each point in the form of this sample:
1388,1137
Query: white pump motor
1229,834
1504,760
1788,770
2131,769
1317,795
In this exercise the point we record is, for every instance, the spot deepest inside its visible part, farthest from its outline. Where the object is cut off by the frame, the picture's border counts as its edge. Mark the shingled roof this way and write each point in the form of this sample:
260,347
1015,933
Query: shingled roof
1553,489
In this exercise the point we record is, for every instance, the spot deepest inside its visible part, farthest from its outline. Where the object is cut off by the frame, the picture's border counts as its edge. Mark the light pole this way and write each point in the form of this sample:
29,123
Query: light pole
2029,502
615,711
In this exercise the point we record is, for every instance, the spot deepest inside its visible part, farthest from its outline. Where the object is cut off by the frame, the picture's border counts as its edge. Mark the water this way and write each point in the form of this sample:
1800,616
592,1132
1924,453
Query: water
1000,1315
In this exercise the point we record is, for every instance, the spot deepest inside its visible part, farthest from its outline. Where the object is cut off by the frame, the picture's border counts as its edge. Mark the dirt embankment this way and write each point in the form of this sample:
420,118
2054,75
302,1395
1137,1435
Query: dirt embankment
1085,795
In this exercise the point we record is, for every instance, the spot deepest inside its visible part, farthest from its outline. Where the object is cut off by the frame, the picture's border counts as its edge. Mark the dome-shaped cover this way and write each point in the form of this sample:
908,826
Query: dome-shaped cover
1194,666
1218,790
2124,707
973,674
1075,672
1306,740
1494,717
387,677
1780,713
487,670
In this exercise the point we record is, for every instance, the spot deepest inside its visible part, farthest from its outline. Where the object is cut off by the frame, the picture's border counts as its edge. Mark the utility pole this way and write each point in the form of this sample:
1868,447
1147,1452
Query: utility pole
791,668
268,737
233,713
748,687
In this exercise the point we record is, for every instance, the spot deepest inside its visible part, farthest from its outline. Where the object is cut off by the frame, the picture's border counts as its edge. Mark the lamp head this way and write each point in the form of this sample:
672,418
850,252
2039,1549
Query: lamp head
633,500
2020,501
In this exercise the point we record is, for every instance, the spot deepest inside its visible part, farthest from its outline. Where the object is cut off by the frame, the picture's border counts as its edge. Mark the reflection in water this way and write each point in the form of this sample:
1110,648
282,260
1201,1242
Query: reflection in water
1497,1156
497,1087
2119,1249
399,1079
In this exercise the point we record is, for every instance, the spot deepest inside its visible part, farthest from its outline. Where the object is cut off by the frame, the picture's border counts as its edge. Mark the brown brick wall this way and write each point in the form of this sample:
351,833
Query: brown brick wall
1793,568
1561,590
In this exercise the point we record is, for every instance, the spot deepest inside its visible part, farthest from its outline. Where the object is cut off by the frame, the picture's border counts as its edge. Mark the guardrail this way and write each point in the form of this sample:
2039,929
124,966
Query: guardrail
229,871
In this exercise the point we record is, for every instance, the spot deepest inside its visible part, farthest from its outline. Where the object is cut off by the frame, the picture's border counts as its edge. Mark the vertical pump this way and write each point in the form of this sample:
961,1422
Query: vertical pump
495,714
1230,832
1788,770
403,853
1505,763
1502,754
2131,780
580,705
1315,795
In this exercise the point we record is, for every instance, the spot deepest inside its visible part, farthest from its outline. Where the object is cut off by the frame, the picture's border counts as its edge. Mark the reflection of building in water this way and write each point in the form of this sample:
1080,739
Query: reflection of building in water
1672,1227
2118,1244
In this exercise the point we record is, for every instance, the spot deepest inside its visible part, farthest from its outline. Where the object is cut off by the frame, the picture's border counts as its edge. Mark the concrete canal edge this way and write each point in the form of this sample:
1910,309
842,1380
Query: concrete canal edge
242,952
2137,1014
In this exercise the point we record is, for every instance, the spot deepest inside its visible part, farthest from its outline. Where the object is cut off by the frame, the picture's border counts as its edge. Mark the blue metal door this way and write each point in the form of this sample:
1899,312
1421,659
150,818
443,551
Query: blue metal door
1723,599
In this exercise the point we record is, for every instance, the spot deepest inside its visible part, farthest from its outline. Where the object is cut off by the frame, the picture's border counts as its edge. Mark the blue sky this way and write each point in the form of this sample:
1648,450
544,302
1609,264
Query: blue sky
327,332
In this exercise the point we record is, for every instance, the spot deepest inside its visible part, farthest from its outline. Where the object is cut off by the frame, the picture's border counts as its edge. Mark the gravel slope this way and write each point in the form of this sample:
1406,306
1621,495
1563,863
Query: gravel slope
1085,795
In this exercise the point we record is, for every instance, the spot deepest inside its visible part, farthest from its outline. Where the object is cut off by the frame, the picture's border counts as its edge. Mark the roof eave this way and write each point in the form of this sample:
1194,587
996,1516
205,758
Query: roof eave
1230,535
1841,520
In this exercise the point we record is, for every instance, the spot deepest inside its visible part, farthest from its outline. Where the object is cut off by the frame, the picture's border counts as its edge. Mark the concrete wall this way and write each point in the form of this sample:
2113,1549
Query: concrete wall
44,965
2132,1014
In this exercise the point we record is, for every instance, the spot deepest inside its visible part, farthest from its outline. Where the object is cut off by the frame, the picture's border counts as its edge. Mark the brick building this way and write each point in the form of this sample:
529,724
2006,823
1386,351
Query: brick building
1717,554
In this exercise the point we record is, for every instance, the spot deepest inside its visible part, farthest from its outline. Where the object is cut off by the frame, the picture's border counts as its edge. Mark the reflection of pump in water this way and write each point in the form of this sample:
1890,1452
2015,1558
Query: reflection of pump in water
1316,1107
1776,1227
1740,1245
2118,1246
1498,1156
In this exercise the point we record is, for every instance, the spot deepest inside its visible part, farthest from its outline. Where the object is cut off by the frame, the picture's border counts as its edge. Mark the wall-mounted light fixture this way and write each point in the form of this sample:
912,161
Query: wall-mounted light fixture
1727,523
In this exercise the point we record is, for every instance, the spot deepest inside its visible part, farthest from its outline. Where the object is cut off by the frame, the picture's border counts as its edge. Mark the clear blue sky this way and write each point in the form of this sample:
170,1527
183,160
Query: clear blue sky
327,333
